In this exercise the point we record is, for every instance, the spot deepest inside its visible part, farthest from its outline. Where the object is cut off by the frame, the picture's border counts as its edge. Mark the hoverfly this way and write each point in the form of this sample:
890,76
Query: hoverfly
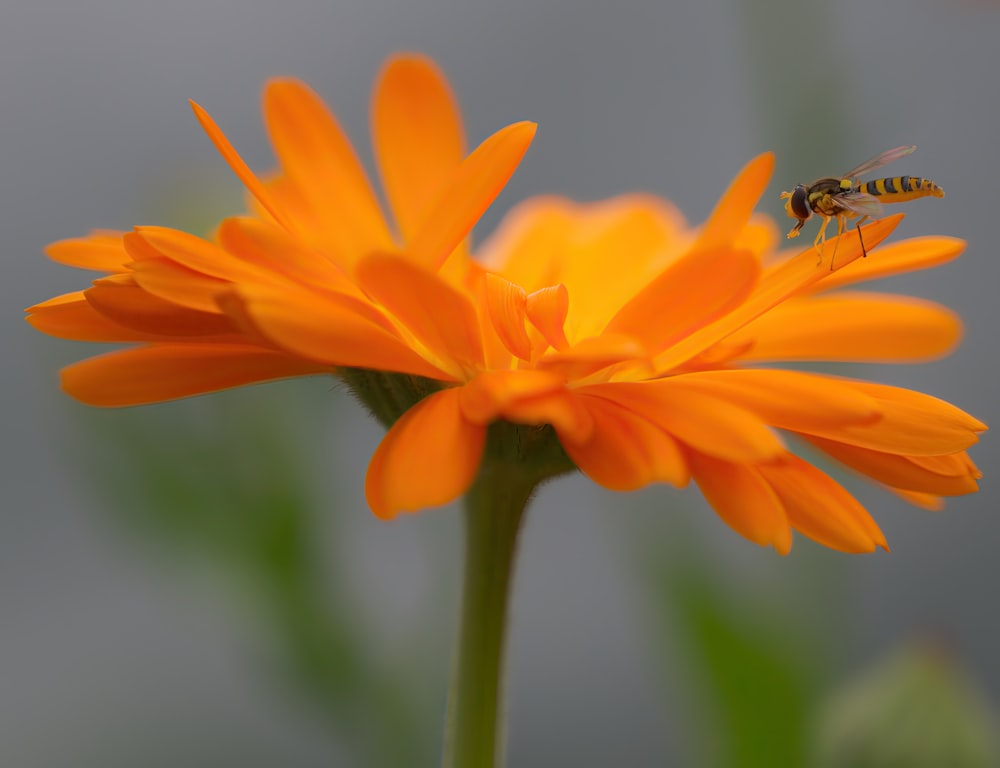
846,197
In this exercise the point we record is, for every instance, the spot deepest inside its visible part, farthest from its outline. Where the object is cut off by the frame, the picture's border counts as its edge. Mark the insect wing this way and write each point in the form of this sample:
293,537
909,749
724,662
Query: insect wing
860,203
878,161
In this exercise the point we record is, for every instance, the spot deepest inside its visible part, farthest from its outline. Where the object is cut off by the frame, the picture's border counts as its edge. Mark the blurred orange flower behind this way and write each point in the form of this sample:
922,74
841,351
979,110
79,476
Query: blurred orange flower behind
638,338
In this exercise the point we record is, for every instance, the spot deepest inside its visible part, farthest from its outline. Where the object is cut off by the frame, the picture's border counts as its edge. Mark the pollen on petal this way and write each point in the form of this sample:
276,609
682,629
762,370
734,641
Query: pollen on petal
429,457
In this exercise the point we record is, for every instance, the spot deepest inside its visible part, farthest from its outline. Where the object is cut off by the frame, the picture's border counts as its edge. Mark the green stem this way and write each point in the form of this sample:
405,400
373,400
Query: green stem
493,512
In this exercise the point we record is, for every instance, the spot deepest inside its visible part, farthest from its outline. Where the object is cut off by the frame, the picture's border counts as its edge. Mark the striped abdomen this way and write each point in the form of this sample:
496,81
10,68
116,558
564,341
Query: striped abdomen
899,189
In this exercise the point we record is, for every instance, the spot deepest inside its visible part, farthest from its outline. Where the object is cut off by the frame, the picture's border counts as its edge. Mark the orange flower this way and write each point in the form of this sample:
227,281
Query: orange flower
628,333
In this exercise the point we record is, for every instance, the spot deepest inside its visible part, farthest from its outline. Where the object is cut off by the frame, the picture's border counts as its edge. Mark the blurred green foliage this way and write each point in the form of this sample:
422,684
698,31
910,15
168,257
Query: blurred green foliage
917,708
229,482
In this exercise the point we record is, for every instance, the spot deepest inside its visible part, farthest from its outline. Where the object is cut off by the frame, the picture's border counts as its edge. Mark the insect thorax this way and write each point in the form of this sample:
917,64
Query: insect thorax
823,192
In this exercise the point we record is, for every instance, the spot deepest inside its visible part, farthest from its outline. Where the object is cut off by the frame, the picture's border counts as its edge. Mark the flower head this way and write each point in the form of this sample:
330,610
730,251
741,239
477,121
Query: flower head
635,337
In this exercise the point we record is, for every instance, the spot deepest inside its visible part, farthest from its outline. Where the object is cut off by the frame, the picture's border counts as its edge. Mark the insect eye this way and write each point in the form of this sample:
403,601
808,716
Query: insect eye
798,203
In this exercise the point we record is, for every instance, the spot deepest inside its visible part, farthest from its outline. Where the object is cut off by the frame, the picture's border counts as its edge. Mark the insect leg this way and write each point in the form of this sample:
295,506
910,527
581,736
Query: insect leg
862,220
820,240
841,223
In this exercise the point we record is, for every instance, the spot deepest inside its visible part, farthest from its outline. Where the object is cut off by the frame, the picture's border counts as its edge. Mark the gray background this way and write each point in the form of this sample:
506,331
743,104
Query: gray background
112,656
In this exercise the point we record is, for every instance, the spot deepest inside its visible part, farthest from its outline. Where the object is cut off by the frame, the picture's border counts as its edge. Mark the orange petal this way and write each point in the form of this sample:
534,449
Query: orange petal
486,396
744,500
820,508
507,303
430,457
319,160
160,372
562,409
124,302
418,137
949,478
438,315
910,255
179,285
72,317
774,287
921,500
785,399
592,355
911,423
852,327
538,225
270,248
198,254
693,291
467,194
546,309
625,451
239,167
710,425
735,207
327,331
101,250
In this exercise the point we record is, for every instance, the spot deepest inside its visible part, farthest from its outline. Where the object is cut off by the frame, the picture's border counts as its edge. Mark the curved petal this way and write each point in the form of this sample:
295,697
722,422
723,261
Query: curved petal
546,309
736,206
744,500
774,287
155,373
418,136
268,247
175,283
71,316
467,194
786,399
101,250
592,355
506,303
561,409
911,423
437,314
710,425
625,451
485,397
198,254
950,476
319,160
335,333
852,327
120,299
909,255
239,167
820,508
693,291
429,457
